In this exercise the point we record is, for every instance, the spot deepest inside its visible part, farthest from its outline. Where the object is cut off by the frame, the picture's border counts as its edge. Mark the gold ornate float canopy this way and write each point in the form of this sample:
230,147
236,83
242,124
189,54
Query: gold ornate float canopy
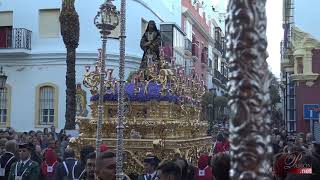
162,114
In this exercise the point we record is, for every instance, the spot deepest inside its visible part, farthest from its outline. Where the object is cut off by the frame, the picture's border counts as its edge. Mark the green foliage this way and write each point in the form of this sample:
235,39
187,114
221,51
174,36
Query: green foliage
276,114
207,98
220,101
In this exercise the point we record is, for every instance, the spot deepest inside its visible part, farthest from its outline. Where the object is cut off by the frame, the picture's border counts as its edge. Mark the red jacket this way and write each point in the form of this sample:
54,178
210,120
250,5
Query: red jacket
203,172
48,166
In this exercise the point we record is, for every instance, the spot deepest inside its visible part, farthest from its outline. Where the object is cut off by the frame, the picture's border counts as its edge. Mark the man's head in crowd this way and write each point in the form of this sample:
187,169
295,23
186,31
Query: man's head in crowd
90,165
183,165
53,129
169,171
85,151
24,151
68,153
106,166
150,164
11,146
2,145
221,166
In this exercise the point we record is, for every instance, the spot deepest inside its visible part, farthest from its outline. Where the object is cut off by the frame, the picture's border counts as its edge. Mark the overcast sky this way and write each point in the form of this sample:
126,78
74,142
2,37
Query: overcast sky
274,30
274,34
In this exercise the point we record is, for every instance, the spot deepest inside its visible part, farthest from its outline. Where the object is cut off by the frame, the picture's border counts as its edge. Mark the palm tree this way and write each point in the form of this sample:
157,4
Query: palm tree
70,30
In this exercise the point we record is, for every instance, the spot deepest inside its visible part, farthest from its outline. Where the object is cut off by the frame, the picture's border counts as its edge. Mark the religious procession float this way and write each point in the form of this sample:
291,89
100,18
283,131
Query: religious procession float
162,109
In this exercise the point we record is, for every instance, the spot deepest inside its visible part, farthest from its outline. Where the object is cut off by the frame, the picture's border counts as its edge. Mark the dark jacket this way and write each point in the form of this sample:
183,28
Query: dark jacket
79,170
31,171
6,161
61,173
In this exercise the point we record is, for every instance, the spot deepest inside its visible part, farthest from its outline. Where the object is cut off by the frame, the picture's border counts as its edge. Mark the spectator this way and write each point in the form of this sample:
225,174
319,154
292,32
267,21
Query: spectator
7,159
66,168
80,167
106,166
221,166
183,165
103,148
25,169
49,165
35,153
64,143
90,167
53,133
204,171
169,171
3,142
150,164
45,131
219,146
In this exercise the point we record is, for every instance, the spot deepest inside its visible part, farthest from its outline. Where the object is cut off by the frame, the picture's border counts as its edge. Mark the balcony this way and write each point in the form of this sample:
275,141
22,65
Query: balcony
187,47
204,58
219,78
218,46
195,51
15,41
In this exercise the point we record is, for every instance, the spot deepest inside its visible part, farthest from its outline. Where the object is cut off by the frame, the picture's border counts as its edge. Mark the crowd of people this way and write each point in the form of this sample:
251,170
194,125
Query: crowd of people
45,155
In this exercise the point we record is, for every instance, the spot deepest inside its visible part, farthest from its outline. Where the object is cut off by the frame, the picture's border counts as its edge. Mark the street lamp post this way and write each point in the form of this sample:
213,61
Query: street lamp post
106,20
3,79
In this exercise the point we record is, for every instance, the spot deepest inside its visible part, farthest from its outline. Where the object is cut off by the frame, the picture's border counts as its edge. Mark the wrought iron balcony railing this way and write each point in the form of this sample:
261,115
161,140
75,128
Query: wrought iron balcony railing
220,77
218,46
15,38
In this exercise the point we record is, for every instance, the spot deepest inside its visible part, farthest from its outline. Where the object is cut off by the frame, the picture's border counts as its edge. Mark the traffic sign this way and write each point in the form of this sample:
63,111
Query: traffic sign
311,111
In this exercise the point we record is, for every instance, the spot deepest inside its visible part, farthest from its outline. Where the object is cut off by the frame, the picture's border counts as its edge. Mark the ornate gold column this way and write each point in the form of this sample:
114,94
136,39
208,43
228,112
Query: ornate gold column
249,90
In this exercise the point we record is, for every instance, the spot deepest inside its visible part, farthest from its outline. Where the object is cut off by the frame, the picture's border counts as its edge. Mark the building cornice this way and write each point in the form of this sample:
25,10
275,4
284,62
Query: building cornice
58,58
304,77
198,25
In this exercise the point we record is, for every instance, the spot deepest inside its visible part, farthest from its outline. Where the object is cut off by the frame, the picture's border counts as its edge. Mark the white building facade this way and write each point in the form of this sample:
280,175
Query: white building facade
33,56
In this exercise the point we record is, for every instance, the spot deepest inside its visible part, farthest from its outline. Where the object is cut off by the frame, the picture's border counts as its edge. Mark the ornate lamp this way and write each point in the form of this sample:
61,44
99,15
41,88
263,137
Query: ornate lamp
106,20
3,79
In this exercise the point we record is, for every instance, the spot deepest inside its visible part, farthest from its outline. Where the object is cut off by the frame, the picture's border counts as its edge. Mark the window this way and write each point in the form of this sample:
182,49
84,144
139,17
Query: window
291,114
49,25
46,105
210,64
216,63
188,30
144,25
6,29
166,31
222,68
5,95
3,105
300,66
291,103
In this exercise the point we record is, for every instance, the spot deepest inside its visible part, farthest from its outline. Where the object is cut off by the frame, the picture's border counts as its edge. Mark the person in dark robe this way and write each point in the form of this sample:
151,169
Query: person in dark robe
150,44
7,159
